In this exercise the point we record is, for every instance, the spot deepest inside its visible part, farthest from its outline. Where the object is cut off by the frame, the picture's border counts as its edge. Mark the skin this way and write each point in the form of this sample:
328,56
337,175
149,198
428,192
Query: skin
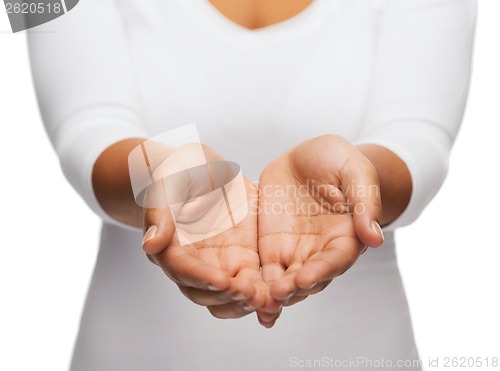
254,14
300,251
221,273
334,190
299,254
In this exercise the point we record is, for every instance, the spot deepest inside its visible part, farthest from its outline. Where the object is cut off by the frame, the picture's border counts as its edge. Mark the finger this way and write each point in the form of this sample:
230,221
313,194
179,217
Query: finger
320,286
158,230
152,259
269,307
267,324
360,184
210,298
271,322
206,297
272,271
300,295
188,270
270,311
255,295
294,300
334,260
285,287
268,317
229,310
243,288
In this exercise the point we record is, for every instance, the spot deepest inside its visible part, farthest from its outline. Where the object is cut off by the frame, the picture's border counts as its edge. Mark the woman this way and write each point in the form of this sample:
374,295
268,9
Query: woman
350,94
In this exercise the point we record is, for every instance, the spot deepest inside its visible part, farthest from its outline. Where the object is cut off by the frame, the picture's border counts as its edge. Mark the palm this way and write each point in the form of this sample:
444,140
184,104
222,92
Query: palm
303,241
227,262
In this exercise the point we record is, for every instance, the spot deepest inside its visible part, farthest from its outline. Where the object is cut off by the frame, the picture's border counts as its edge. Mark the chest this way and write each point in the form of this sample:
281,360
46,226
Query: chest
254,14
311,75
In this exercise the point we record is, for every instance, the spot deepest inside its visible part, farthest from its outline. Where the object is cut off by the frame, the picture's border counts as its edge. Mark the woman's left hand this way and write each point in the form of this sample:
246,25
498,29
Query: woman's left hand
319,207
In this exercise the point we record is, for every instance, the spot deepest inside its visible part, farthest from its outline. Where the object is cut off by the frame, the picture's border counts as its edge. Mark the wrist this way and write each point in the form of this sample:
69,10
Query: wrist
394,177
111,183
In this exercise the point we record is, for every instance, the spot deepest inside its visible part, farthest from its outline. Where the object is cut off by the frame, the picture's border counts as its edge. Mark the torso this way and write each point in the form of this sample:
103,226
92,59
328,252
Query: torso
253,95
253,14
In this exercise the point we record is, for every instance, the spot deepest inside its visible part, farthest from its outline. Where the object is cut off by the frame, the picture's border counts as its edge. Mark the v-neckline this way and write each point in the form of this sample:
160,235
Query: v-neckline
309,18
210,2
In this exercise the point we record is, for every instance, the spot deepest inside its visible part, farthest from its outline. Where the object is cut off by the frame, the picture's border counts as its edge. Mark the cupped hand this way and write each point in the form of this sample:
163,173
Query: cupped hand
319,207
221,272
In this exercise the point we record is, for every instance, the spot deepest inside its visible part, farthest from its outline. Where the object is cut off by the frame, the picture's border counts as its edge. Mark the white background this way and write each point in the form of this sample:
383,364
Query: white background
48,241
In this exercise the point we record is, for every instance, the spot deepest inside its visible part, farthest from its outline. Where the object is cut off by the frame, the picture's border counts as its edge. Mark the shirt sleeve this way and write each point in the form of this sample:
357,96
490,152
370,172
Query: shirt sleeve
83,77
419,89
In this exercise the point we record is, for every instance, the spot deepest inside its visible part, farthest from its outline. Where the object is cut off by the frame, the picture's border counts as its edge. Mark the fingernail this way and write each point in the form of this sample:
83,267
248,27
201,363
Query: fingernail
238,297
213,288
150,234
249,308
268,324
376,228
310,287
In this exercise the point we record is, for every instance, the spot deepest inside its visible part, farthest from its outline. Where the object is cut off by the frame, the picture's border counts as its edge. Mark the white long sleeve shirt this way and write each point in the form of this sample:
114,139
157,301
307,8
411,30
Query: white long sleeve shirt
388,72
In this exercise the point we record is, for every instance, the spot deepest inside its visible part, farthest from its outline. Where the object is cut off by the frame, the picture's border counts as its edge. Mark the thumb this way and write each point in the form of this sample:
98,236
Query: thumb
159,229
360,184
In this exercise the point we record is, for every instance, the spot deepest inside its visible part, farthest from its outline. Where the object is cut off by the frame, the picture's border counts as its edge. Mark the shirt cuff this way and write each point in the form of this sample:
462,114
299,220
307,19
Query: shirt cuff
83,138
424,148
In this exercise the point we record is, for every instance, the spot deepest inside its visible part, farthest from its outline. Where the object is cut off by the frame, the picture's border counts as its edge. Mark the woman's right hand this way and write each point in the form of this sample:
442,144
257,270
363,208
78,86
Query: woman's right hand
221,272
